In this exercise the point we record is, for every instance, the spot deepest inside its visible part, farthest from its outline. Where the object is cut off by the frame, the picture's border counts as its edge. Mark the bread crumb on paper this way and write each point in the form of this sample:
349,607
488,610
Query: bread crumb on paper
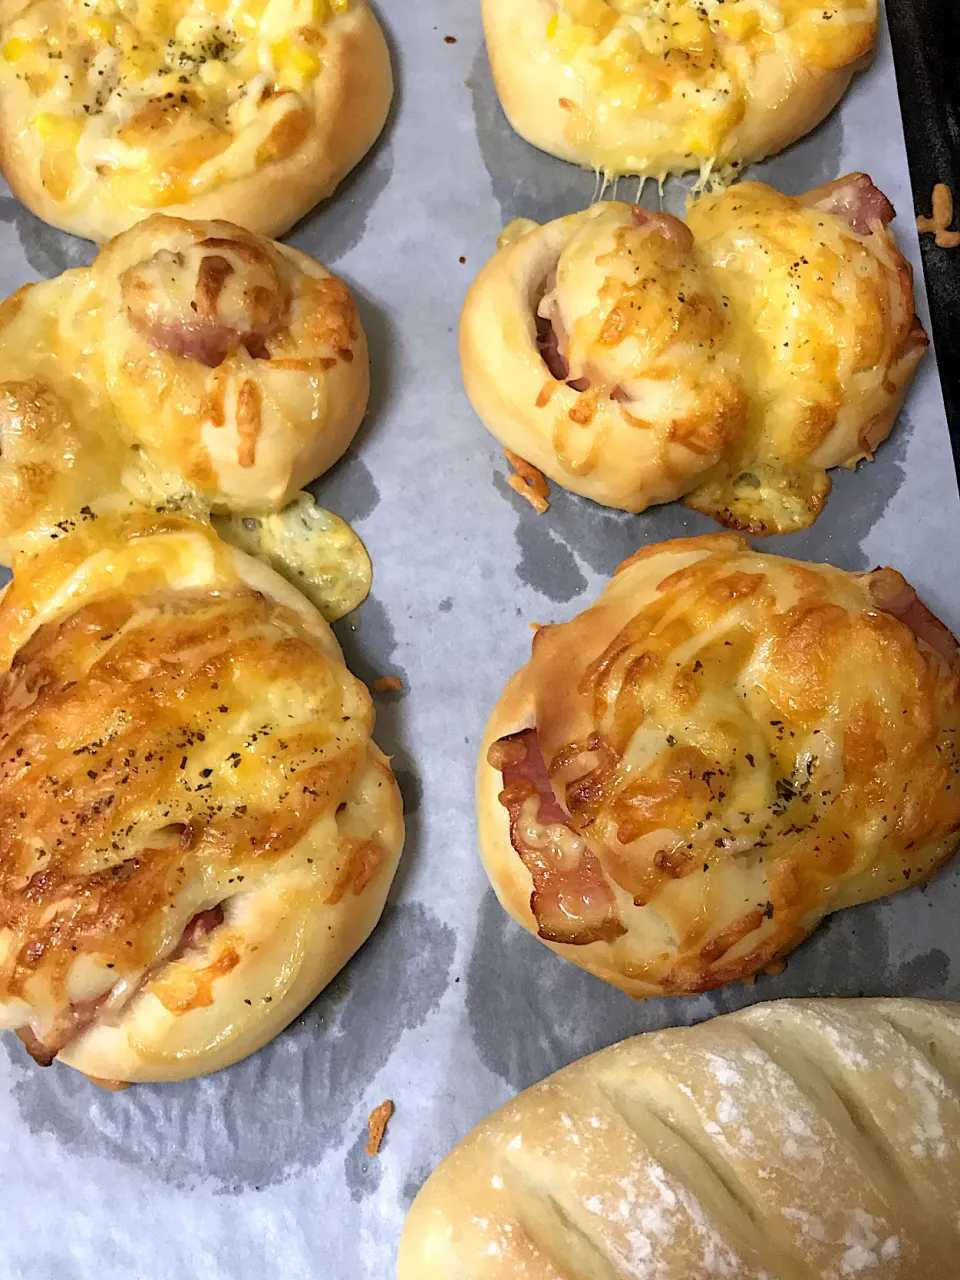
528,482
377,1123
939,224
387,684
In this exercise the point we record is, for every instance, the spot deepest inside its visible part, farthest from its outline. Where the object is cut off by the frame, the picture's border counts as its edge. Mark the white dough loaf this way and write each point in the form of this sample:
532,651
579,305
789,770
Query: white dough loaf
796,1140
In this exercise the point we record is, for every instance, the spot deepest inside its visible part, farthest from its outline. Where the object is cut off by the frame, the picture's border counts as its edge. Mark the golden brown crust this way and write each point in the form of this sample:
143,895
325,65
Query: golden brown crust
939,224
628,89
190,357
339,112
210,830
800,1139
744,743
377,1124
633,358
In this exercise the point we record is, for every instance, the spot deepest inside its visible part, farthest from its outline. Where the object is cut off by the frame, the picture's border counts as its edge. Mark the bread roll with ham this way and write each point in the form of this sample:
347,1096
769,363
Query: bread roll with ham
691,774
801,1140
198,830
628,86
192,362
730,360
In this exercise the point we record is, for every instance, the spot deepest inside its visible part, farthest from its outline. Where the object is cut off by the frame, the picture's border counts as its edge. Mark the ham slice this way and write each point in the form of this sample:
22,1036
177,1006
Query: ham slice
891,593
83,1013
572,899
855,199
665,225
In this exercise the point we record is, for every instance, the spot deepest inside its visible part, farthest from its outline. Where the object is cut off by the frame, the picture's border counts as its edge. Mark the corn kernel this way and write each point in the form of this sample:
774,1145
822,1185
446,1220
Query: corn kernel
294,57
99,28
59,131
739,24
16,48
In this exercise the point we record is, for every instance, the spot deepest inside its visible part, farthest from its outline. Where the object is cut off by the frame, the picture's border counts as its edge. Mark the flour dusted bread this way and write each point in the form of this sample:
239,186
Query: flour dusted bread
634,358
688,776
251,111
801,1140
192,362
196,828
633,86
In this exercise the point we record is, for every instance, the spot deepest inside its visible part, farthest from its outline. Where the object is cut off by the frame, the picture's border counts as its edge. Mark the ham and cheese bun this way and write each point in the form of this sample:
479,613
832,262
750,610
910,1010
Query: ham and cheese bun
634,358
251,111
197,830
628,86
688,776
191,358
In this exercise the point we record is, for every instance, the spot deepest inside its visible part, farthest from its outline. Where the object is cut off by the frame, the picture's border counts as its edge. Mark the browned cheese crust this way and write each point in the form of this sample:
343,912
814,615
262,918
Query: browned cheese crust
688,776
196,829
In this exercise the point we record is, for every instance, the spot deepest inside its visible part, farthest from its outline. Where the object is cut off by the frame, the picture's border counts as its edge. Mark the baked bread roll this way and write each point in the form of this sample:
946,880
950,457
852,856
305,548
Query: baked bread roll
192,362
802,1139
252,112
626,86
199,830
634,358
690,775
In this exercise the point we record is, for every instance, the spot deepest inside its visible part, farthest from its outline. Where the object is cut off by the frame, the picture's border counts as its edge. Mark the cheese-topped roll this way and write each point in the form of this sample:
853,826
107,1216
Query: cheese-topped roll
198,830
631,86
252,110
686,778
634,358
191,358
820,308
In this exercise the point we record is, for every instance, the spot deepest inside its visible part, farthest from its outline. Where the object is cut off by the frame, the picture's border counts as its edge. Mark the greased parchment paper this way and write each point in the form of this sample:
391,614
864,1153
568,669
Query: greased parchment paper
260,1171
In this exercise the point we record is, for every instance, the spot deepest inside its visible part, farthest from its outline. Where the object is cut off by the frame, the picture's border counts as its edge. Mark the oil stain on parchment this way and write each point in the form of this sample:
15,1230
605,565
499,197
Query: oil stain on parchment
280,1110
575,528
338,225
565,1013
48,250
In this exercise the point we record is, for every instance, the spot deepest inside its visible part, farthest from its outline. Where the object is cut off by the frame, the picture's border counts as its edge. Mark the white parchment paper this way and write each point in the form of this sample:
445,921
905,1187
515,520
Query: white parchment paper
260,1171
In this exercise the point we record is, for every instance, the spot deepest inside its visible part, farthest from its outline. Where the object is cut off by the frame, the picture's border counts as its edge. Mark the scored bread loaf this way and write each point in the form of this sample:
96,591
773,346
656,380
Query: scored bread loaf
796,1140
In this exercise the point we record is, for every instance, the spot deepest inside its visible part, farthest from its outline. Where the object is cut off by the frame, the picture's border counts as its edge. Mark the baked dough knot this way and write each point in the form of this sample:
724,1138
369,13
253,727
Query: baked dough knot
723,749
732,358
192,362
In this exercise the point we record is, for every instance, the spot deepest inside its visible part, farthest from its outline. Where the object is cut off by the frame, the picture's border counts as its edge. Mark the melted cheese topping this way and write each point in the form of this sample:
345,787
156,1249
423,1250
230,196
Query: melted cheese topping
168,736
818,318
634,313
192,364
733,358
660,86
759,744
160,101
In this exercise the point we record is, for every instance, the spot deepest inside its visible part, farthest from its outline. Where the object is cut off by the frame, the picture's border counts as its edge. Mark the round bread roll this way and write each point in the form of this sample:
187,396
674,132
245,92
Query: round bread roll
191,355
199,831
802,1140
252,112
688,776
633,358
629,86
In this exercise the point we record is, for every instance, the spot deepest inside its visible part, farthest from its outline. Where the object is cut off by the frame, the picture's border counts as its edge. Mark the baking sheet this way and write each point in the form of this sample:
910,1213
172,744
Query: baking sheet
260,1171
